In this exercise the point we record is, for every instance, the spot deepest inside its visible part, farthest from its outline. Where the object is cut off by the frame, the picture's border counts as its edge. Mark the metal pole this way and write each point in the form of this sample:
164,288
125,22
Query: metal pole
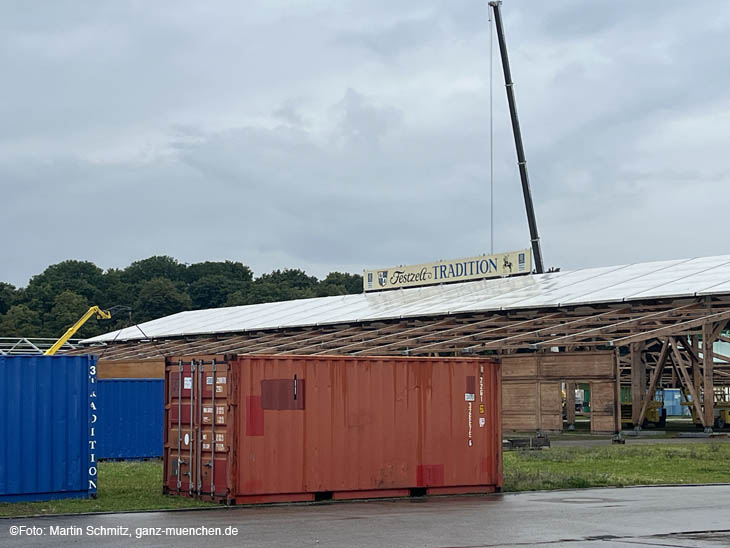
491,134
522,163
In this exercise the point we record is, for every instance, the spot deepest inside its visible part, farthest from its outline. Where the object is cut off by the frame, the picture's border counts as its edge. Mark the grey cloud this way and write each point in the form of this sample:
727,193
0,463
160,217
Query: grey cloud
390,39
347,134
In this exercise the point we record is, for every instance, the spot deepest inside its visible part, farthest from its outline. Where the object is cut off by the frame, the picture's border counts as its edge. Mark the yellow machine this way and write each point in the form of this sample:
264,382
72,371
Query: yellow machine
722,414
655,414
94,310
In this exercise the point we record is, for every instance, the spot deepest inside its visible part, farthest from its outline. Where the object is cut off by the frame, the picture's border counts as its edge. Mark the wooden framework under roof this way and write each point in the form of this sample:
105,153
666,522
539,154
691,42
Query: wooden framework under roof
655,342
591,326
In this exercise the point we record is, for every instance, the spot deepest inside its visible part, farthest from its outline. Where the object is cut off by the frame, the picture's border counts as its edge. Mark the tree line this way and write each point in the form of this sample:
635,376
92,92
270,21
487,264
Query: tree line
152,288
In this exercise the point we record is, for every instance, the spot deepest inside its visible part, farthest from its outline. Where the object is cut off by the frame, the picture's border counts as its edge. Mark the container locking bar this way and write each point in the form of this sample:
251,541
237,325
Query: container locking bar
212,437
179,421
192,432
199,426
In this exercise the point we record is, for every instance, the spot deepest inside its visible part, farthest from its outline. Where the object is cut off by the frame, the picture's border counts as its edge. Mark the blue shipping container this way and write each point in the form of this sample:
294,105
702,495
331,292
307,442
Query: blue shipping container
673,402
131,418
48,415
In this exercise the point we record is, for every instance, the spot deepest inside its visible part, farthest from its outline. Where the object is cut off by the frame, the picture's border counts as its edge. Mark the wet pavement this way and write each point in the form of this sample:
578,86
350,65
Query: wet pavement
629,517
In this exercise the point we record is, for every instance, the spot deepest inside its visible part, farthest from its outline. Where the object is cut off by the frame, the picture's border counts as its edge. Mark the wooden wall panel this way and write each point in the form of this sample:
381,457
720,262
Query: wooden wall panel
551,400
578,365
602,406
531,389
519,397
551,407
602,424
519,423
131,369
551,423
519,366
602,398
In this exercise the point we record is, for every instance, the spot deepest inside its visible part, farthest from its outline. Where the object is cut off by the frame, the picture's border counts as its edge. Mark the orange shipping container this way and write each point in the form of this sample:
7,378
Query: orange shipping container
259,428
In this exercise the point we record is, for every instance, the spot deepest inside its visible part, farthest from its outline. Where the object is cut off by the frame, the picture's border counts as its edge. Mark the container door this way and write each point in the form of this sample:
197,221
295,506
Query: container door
199,428
179,428
214,430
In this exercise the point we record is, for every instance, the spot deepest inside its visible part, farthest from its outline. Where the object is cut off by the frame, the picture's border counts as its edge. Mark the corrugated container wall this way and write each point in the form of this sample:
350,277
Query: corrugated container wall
48,414
298,428
131,418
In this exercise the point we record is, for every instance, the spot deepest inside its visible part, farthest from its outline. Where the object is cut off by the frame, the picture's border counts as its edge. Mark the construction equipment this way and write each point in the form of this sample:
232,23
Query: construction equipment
656,414
721,410
722,415
94,310
521,161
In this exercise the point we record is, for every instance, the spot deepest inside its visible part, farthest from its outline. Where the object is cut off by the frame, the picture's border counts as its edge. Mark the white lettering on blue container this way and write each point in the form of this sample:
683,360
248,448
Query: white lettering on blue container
92,471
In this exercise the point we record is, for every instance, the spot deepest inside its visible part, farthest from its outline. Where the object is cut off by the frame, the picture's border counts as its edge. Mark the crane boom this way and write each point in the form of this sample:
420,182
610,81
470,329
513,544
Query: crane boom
94,310
521,161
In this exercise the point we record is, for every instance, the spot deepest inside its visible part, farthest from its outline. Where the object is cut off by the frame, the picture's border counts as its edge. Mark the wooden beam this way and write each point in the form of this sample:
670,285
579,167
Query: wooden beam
638,366
612,327
655,377
451,340
672,329
556,327
719,328
617,394
680,364
708,380
570,404
401,333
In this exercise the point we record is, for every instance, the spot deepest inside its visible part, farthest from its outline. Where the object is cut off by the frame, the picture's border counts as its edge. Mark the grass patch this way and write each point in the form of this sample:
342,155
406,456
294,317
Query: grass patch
122,486
616,466
138,485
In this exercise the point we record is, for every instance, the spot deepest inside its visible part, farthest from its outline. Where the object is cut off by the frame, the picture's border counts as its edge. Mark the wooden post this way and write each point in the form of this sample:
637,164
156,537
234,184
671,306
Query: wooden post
708,364
679,363
617,397
656,378
570,405
696,373
638,382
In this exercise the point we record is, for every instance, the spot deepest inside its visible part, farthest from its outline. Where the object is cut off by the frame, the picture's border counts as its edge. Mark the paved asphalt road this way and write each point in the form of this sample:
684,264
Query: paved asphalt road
629,517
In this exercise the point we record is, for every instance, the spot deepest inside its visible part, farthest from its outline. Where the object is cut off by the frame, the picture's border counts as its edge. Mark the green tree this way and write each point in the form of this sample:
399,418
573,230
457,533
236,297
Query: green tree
289,278
154,267
116,290
233,271
159,297
20,321
8,294
66,311
213,291
339,283
82,277
280,285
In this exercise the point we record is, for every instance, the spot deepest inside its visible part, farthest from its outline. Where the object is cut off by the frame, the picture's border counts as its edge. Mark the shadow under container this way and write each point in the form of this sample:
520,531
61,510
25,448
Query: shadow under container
260,429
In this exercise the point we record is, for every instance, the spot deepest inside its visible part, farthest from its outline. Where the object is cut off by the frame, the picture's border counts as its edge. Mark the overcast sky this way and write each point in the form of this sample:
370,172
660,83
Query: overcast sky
341,135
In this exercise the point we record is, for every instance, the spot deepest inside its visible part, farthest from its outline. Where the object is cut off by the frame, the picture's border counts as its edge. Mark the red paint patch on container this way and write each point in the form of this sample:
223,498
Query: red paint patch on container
430,474
282,394
254,416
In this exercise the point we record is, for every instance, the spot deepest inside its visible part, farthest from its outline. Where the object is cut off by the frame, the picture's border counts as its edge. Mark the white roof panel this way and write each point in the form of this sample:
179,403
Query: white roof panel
678,278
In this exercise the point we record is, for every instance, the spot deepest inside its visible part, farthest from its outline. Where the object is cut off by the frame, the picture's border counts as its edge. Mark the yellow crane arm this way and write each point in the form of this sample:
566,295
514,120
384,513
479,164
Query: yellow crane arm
94,310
